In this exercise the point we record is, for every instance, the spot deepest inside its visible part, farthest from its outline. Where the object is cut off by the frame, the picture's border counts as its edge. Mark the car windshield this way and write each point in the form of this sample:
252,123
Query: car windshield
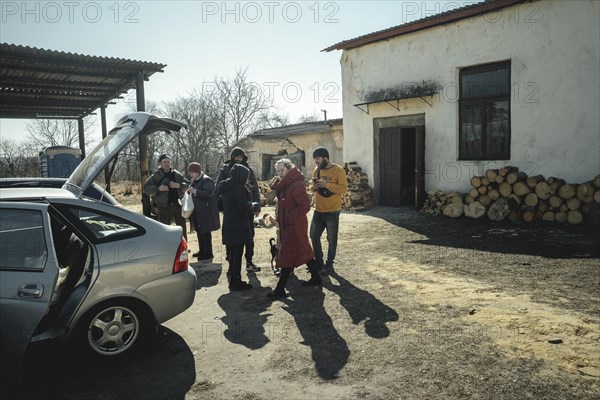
97,160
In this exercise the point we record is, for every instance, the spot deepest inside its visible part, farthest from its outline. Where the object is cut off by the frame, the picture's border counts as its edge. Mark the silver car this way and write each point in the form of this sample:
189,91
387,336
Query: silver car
72,267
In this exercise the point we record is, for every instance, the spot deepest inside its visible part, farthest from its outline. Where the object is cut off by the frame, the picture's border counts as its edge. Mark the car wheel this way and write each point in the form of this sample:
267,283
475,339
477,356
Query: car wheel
113,329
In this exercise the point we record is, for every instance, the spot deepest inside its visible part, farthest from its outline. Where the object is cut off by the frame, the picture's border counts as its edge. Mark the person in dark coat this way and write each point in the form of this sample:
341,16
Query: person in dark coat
237,219
206,215
292,206
238,156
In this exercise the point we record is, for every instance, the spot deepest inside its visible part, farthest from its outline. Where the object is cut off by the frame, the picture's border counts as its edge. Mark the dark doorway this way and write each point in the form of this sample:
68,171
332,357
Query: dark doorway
401,151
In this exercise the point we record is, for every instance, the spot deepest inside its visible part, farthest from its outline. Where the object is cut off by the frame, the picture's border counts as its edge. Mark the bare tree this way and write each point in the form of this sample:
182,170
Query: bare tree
18,159
314,117
239,104
196,142
59,132
271,119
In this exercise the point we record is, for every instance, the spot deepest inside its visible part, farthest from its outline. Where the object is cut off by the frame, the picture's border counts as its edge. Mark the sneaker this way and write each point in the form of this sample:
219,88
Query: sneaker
197,254
252,267
277,272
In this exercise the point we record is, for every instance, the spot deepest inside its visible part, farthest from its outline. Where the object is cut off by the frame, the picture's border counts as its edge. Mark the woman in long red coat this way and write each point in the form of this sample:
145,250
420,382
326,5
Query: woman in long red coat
292,206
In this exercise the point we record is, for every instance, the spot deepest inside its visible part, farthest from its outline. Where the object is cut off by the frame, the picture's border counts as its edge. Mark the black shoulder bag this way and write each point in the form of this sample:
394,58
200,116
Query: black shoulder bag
323,191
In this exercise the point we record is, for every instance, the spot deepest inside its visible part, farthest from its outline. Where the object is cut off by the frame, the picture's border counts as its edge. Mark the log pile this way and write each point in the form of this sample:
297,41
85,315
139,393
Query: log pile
447,203
267,196
508,193
360,195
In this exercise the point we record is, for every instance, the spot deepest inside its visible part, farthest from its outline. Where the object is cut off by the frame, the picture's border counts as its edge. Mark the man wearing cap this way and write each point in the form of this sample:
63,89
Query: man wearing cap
238,156
167,186
329,184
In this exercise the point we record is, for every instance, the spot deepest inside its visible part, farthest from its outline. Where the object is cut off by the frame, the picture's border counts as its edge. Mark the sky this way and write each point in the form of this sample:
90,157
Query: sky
279,42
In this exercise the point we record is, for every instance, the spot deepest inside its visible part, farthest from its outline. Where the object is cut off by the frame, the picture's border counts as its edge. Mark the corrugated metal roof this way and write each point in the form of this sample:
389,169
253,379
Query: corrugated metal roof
425,23
295,129
37,83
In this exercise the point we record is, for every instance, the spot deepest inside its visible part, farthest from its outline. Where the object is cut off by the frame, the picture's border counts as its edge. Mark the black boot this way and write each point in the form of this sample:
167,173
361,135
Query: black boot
236,283
239,285
279,291
315,279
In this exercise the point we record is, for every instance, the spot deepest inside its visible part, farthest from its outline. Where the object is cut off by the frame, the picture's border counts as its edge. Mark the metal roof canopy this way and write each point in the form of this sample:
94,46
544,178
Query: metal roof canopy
39,83
48,84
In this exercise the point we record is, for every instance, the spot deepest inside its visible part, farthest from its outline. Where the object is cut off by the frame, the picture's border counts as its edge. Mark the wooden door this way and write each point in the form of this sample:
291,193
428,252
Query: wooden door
390,167
402,166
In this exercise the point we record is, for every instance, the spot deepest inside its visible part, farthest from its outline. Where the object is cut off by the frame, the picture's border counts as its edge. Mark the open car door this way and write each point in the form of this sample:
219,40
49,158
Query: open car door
28,273
127,129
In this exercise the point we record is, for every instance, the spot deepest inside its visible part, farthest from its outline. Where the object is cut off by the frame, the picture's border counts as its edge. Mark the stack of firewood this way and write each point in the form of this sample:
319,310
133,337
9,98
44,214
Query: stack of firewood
360,195
267,196
510,193
448,203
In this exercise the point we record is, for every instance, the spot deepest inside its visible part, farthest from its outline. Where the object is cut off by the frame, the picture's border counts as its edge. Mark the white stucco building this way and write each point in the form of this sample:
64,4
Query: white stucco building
507,82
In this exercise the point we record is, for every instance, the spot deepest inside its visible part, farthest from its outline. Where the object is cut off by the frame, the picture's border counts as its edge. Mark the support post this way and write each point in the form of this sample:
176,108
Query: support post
81,137
143,144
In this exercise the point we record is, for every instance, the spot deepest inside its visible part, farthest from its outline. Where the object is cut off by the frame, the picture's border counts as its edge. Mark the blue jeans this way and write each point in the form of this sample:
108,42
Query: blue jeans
320,222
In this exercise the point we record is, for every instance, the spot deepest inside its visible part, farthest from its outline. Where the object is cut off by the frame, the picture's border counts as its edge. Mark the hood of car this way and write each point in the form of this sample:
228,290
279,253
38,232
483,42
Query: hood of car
127,129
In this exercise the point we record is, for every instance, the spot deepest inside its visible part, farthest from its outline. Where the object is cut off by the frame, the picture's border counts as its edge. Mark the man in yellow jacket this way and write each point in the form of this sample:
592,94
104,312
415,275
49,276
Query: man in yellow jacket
329,184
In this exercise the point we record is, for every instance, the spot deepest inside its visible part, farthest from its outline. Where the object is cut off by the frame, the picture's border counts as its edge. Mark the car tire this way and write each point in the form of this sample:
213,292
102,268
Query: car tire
114,328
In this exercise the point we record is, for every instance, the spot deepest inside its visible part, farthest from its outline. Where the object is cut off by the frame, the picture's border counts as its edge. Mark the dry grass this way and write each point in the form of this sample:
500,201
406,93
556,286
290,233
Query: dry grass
126,192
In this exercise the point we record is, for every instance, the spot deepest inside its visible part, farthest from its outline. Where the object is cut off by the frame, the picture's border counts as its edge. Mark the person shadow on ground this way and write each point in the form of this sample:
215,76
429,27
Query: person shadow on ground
244,315
329,350
207,274
362,306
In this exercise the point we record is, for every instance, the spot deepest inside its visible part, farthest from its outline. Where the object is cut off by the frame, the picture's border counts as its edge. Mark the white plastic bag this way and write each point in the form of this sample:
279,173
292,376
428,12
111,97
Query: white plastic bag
187,205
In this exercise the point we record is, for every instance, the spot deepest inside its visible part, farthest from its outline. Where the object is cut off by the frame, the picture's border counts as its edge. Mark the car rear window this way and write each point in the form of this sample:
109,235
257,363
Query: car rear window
105,227
22,239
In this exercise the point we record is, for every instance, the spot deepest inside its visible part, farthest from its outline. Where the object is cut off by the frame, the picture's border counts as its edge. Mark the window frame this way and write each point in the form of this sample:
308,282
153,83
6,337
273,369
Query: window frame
45,246
66,211
483,102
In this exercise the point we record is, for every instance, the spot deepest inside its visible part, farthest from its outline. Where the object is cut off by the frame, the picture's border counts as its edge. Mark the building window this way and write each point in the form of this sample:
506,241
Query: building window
484,112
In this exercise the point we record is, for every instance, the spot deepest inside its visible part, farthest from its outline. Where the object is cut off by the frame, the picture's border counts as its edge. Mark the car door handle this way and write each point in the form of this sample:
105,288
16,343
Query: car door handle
31,290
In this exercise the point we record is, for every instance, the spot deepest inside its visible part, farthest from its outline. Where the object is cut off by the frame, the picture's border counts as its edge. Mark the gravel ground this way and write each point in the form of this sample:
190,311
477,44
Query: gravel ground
418,307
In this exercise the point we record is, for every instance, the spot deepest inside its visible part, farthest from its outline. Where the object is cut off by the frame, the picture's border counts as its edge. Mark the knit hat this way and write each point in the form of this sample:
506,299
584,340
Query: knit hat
194,167
321,152
162,157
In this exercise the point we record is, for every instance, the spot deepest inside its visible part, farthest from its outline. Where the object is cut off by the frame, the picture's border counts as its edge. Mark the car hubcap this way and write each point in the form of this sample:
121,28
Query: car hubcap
113,330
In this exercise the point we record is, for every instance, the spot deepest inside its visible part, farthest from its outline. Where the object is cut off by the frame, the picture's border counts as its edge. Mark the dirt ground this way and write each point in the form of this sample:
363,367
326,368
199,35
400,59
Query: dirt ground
418,307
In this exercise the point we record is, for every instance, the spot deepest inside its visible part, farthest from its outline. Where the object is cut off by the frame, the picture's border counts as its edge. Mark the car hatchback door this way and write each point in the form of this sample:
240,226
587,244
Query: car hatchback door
127,129
28,272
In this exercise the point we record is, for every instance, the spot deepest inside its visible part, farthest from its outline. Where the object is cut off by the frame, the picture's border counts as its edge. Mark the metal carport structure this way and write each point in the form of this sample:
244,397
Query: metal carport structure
49,84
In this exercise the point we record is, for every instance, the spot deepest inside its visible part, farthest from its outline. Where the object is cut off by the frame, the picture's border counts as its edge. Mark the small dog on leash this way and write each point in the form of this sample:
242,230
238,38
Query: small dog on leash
274,251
